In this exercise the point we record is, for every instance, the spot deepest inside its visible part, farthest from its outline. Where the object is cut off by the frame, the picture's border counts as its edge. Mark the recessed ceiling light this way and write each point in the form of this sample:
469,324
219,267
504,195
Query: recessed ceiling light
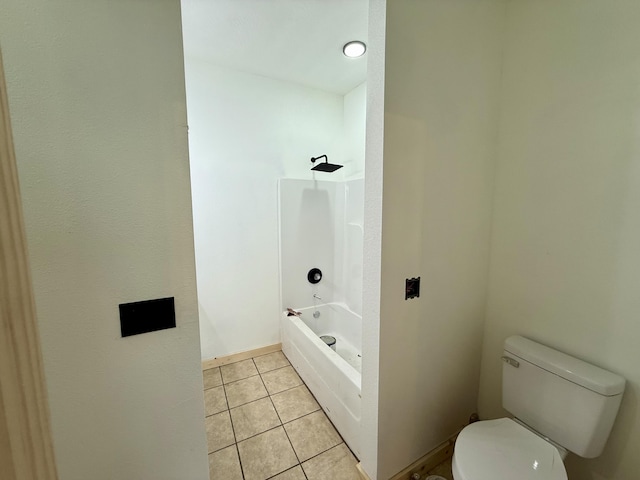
354,49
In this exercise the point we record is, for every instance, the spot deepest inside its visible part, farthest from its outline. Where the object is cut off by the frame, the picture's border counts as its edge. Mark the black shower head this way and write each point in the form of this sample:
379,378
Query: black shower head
326,166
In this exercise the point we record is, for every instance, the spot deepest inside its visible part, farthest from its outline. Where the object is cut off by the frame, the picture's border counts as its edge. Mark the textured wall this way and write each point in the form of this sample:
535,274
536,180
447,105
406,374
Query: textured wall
442,80
372,221
96,91
565,266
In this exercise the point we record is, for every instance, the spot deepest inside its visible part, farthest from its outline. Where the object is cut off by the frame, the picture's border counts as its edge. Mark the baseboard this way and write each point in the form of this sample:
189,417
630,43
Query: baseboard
361,471
237,357
429,461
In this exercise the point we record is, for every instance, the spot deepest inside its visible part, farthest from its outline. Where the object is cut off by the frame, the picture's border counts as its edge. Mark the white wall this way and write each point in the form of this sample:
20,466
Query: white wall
246,132
355,114
442,80
96,91
372,236
565,264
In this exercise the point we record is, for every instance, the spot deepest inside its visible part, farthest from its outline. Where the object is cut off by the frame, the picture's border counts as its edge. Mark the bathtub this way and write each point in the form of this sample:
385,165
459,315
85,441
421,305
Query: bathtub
334,378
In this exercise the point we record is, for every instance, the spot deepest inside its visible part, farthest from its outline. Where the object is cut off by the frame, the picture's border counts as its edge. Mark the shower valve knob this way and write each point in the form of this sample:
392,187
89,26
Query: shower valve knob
314,275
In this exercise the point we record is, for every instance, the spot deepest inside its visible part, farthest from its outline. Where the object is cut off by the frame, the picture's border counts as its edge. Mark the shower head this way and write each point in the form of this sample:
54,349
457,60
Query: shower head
326,166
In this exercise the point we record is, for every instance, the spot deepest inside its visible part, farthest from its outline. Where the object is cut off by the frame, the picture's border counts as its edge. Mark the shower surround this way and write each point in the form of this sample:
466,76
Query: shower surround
321,227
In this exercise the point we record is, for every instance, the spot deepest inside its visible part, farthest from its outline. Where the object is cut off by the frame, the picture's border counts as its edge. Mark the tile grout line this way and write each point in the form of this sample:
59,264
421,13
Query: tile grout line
330,448
291,388
239,460
282,424
233,430
254,436
284,471
247,403
225,397
285,431
251,401
228,409
256,367
294,451
287,434
277,368
300,417
241,379
320,409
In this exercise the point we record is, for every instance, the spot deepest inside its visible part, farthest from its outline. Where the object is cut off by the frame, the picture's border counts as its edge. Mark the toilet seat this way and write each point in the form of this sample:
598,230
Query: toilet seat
504,450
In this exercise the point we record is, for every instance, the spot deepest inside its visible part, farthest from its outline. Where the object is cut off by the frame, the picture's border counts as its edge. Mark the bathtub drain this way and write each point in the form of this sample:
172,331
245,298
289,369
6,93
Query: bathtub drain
330,341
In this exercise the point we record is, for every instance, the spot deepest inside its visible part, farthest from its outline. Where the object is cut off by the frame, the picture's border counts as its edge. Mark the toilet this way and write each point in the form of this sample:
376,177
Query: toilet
560,404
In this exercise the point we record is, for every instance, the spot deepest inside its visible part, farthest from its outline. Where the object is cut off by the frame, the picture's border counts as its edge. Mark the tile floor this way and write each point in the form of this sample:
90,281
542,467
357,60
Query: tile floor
444,470
263,423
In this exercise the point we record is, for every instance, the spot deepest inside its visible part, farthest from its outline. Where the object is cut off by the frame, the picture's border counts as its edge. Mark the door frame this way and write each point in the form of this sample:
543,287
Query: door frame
26,448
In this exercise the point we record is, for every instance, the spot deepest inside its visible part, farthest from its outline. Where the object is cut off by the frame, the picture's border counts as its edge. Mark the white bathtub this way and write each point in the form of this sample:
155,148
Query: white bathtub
333,377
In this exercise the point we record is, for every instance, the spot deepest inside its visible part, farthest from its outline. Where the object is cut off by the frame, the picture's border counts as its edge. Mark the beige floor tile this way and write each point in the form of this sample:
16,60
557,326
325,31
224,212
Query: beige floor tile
245,391
219,431
266,455
294,473
225,464
311,435
215,400
271,361
335,464
444,470
212,377
281,379
294,403
254,418
238,371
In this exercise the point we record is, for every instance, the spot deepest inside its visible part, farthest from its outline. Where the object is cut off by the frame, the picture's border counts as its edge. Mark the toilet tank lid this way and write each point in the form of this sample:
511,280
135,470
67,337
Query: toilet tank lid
570,368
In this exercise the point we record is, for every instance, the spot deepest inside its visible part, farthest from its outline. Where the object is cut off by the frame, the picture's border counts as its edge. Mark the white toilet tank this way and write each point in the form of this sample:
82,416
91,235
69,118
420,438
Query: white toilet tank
571,402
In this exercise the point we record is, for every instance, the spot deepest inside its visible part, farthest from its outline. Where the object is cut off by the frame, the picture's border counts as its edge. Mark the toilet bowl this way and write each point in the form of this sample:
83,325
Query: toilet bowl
502,449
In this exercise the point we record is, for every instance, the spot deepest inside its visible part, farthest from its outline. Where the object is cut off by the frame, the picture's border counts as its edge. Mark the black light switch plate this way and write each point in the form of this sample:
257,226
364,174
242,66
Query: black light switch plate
412,288
147,316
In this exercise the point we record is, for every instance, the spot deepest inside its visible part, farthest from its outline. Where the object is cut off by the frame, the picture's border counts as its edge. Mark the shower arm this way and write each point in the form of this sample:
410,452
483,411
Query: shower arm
326,160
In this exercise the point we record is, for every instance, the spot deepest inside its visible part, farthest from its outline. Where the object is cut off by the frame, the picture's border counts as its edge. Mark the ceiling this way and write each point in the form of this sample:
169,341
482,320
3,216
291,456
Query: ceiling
293,40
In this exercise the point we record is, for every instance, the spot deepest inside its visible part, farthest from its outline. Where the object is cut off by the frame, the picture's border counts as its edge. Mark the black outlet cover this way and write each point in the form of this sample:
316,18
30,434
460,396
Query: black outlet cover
412,288
147,316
